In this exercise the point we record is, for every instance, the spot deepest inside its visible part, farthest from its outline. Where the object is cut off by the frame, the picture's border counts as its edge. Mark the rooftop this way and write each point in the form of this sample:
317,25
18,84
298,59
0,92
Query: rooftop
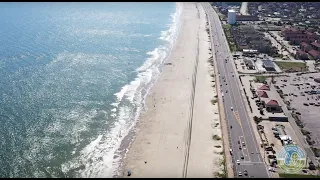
313,53
304,44
273,102
264,87
262,94
316,44
299,51
268,63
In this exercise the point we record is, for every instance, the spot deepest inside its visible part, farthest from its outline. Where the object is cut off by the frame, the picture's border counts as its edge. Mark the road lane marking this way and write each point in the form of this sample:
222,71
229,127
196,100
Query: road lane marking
236,115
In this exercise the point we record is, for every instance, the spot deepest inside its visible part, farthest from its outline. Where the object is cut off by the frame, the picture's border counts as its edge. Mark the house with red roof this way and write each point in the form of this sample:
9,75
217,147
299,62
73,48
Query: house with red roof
314,54
264,87
305,46
296,36
273,106
316,46
262,94
301,55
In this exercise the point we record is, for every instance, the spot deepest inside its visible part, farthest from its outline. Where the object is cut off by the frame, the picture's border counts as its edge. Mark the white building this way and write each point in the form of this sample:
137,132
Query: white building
231,16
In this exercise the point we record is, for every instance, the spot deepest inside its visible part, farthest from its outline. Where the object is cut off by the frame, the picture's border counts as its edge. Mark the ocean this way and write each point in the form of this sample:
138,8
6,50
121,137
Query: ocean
74,77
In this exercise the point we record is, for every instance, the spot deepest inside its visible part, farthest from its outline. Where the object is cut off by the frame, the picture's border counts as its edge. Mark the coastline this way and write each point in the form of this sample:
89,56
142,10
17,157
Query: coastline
161,138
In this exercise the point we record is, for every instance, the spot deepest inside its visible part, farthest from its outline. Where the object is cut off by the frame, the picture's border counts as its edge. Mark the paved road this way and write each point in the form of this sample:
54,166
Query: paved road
236,116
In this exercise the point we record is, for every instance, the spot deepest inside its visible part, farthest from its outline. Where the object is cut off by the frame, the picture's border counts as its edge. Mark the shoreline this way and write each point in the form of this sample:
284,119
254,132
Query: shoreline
160,139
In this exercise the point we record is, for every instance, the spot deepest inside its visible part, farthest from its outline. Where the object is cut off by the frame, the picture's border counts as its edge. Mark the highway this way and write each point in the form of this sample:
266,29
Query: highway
235,112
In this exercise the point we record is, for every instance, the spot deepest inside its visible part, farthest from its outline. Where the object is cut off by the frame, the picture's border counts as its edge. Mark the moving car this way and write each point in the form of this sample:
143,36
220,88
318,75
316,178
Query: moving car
243,144
240,174
238,162
231,108
271,169
242,157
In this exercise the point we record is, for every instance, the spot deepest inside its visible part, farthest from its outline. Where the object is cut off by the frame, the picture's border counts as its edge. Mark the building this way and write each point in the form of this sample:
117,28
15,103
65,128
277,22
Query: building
314,54
262,94
297,36
301,55
231,16
249,64
305,47
315,46
273,106
247,18
264,87
268,65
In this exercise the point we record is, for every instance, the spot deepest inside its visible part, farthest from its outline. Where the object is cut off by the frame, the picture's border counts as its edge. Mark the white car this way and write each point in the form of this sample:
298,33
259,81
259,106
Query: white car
240,174
238,162
231,108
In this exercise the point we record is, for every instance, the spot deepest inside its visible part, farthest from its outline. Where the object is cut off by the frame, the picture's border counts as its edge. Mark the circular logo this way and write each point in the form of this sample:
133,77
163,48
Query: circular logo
291,158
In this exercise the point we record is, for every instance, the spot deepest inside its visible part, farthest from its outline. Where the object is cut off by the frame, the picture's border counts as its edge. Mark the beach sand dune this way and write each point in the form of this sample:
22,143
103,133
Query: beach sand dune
162,137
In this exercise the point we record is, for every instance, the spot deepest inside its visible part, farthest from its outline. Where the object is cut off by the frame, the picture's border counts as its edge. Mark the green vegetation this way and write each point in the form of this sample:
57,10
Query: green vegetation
295,66
221,16
297,176
260,79
226,26
227,31
216,137
214,101
224,173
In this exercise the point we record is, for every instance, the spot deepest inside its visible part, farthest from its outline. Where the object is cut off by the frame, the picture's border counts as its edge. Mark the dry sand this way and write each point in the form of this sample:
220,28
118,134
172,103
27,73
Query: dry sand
161,143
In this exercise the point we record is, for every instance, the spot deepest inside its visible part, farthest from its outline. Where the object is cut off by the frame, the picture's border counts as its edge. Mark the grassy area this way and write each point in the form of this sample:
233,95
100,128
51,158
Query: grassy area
227,31
260,79
296,66
226,26
297,176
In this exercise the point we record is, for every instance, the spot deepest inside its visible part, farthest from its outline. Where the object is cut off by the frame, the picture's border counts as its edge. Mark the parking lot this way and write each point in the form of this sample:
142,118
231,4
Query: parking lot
256,65
297,91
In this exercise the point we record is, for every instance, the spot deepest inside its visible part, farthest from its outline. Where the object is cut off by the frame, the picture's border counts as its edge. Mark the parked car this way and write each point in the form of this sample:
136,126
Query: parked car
245,172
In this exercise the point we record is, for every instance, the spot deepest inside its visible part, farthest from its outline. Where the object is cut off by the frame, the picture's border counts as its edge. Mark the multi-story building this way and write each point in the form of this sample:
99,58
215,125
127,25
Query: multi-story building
315,46
231,16
301,55
314,54
305,47
297,36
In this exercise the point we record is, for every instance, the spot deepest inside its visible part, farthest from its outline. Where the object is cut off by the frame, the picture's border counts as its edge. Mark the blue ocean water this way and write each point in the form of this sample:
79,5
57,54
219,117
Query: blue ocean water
73,80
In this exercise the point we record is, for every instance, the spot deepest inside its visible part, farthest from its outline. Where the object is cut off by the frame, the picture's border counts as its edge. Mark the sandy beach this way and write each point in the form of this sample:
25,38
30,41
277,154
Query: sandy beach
178,102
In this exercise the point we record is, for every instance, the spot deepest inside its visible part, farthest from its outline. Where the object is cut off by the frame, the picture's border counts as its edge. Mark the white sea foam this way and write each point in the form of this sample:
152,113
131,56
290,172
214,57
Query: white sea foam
98,156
